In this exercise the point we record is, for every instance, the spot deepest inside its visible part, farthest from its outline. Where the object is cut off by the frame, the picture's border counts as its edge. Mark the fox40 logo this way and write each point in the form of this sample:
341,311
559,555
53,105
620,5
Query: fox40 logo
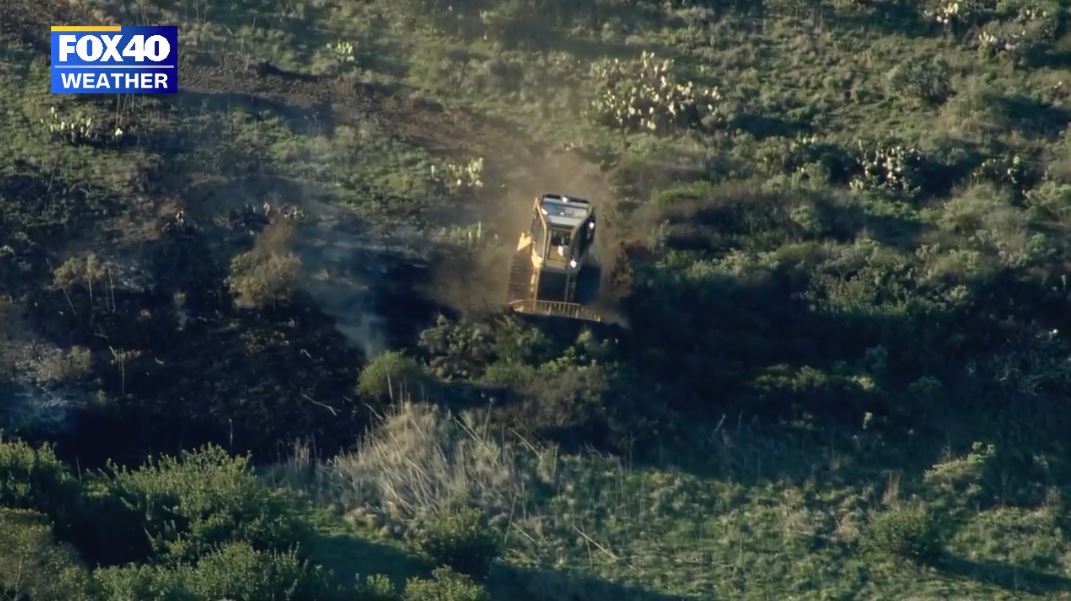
112,59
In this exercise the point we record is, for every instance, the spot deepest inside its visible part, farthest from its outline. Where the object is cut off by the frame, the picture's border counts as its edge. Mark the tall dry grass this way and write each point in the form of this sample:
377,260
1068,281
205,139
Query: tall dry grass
423,460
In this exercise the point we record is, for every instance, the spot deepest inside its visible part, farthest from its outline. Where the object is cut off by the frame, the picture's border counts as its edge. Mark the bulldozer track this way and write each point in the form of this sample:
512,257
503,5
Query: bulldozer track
520,277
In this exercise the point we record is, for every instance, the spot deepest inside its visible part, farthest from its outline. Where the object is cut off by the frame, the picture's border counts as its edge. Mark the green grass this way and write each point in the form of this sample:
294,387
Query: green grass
26,112
663,533
752,514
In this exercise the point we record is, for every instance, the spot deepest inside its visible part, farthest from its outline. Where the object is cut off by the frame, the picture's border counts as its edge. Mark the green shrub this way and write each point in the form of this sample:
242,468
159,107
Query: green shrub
390,375
236,572
378,588
780,387
905,531
512,23
1059,167
977,111
804,156
240,573
444,585
1005,170
967,211
463,541
464,349
35,479
505,373
32,565
1023,35
140,582
965,477
1050,201
190,505
988,221
925,81
694,191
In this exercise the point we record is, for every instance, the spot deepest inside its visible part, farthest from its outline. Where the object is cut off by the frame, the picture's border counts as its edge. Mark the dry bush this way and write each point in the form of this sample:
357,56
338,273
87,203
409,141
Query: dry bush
62,366
81,273
422,460
267,274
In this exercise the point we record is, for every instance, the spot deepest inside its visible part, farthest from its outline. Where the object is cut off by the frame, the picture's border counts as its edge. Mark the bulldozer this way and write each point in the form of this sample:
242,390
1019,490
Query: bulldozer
554,271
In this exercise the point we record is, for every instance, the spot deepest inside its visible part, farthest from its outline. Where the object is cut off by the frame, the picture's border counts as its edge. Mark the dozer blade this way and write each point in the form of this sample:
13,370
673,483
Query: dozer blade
522,294
554,309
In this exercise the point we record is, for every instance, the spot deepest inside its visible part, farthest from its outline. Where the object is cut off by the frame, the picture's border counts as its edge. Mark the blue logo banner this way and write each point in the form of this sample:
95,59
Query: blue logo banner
113,59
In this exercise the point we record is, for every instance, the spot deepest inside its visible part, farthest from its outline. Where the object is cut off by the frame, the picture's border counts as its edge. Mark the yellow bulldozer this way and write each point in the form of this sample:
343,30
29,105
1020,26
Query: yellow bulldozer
554,271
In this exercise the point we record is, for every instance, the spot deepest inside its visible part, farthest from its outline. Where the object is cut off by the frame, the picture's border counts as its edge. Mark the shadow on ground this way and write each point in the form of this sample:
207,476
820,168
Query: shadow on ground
350,558
1012,578
530,584
533,584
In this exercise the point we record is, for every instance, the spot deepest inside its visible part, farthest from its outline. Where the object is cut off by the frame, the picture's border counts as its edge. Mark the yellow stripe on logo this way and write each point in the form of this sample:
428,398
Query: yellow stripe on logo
87,28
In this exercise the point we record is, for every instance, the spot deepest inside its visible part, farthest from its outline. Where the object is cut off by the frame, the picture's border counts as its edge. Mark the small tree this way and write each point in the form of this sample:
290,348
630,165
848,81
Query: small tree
267,274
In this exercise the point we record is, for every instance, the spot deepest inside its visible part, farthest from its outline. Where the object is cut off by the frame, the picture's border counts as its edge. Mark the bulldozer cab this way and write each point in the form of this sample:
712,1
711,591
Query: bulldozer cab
553,259
562,231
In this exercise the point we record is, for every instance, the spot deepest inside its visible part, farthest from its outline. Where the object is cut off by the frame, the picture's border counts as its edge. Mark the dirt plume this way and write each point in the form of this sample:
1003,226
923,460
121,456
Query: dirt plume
475,279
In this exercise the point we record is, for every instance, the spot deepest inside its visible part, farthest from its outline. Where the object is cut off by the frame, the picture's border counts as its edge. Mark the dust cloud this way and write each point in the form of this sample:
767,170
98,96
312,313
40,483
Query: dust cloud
476,282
